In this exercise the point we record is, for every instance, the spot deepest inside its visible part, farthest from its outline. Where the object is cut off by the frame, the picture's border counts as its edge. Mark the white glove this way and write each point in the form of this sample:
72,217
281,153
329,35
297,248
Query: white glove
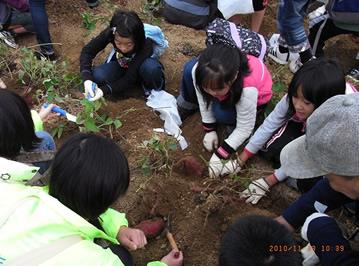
218,167
2,84
92,91
210,141
309,256
255,191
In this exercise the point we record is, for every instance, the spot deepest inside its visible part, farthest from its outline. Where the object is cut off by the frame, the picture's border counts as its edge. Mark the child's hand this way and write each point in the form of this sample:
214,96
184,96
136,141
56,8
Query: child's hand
174,258
255,191
218,167
131,238
46,114
92,91
210,141
2,84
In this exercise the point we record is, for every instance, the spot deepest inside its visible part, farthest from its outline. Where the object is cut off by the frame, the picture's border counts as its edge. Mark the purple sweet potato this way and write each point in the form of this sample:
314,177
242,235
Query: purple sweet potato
190,165
151,227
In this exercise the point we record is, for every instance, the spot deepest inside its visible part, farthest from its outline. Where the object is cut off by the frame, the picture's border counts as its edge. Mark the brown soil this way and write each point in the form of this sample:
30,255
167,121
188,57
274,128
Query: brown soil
201,208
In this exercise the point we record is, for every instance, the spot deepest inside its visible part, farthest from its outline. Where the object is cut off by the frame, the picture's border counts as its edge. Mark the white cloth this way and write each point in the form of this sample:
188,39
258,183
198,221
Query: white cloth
230,8
166,104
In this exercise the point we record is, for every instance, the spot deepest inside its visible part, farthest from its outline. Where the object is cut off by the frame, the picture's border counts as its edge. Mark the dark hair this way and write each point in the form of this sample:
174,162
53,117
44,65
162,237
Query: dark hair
249,242
16,125
319,79
218,64
88,174
128,24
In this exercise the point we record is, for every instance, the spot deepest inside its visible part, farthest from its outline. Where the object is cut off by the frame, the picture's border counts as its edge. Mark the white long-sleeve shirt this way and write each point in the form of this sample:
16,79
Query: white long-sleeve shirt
246,110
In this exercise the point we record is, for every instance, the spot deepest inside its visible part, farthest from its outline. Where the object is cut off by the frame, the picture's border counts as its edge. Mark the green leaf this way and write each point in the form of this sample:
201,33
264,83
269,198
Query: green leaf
108,121
91,125
172,146
146,169
117,123
60,131
54,131
278,87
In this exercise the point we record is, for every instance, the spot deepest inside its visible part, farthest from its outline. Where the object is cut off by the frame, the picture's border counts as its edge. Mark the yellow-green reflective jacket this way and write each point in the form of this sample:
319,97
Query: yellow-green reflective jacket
30,218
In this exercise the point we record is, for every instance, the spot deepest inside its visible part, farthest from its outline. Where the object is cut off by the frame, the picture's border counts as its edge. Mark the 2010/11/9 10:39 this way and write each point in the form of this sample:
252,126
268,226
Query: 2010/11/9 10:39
297,248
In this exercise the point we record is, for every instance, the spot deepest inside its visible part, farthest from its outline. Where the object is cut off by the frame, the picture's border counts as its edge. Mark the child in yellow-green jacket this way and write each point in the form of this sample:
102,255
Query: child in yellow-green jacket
59,224
22,132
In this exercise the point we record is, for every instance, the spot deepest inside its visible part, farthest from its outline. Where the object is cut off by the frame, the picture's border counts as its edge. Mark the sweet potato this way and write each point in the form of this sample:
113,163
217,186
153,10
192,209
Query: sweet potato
152,227
190,165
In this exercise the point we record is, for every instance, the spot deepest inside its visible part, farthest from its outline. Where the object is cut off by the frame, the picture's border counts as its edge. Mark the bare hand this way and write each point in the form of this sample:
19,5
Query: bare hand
131,238
174,258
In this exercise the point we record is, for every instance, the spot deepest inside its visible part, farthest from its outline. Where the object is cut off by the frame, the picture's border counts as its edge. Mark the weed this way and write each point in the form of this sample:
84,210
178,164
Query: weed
152,11
89,119
278,89
88,21
244,181
158,157
58,130
53,78
5,57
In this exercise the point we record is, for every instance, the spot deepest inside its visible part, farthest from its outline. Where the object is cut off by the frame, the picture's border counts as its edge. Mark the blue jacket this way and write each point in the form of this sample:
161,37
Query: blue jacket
323,233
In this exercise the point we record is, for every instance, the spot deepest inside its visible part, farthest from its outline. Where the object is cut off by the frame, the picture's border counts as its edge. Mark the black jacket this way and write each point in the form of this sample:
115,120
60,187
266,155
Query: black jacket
126,82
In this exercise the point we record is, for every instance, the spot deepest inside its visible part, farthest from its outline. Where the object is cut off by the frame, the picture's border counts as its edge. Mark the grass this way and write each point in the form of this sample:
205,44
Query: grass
157,155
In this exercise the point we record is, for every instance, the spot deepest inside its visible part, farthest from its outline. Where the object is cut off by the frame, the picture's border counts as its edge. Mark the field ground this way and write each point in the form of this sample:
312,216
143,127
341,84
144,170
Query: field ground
201,208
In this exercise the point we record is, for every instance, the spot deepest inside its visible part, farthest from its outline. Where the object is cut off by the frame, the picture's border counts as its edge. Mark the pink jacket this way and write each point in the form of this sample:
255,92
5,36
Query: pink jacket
259,78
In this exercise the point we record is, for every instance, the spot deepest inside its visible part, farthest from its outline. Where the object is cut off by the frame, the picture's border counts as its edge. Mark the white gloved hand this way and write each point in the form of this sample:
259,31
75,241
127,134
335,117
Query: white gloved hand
92,91
2,84
309,256
218,167
210,141
255,191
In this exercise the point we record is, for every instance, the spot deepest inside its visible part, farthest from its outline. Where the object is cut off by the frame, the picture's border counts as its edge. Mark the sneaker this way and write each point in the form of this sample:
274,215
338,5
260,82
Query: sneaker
295,65
8,39
273,41
320,11
43,56
281,58
354,73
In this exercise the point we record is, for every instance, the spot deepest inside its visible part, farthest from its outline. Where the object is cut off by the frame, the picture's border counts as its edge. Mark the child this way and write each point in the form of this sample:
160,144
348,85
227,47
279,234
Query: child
258,240
15,18
131,65
89,173
21,130
228,86
330,148
325,24
232,10
293,38
313,84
